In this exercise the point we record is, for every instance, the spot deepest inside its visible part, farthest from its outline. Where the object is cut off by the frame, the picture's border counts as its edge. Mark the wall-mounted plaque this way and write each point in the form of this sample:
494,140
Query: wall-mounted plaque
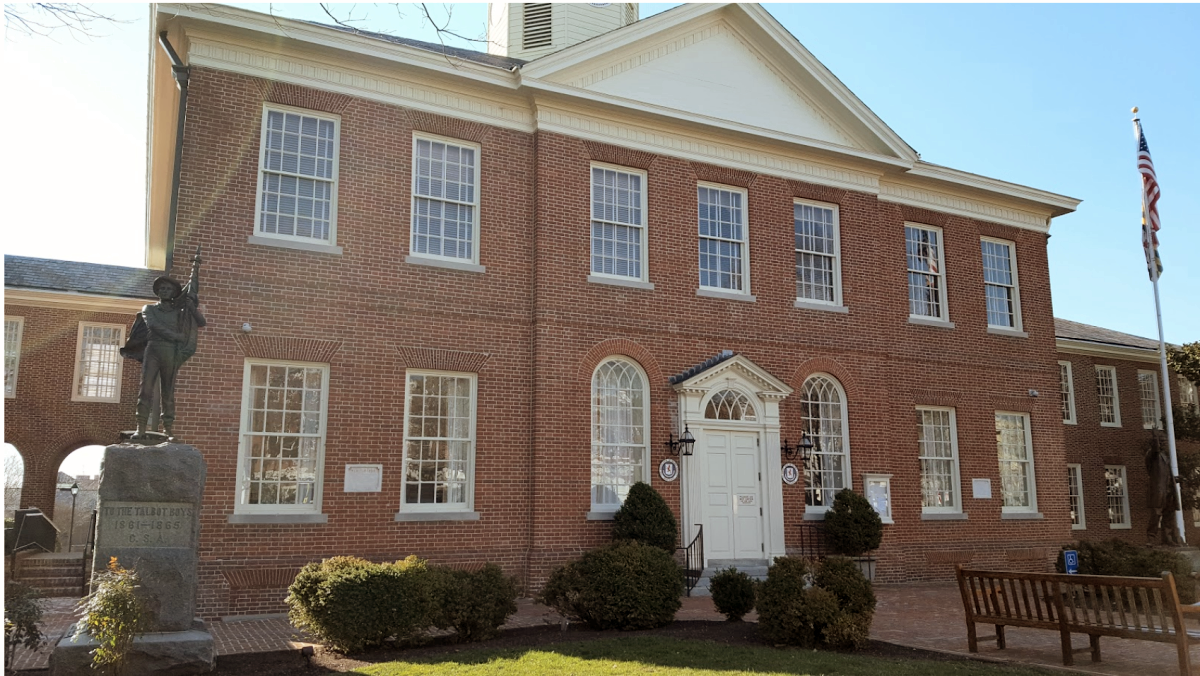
668,469
981,489
363,479
791,474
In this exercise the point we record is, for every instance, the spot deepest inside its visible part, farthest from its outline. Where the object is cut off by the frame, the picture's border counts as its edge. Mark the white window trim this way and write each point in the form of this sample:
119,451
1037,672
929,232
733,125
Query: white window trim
1033,501
412,203
75,396
886,480
463,510
958,493
1070,393
257,235
944,309
1155,424
1018,324
10,388
644,263
1126,525
1116,397
837,301
240,506
604,512
818,511
1188,394
1082,525
745,241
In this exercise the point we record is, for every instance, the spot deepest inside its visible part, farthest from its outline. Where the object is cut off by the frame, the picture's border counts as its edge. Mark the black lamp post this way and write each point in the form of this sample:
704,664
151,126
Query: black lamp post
682,445
71,534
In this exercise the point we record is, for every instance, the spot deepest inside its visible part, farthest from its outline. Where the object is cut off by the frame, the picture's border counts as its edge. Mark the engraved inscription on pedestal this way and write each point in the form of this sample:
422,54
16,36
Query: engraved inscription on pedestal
146,524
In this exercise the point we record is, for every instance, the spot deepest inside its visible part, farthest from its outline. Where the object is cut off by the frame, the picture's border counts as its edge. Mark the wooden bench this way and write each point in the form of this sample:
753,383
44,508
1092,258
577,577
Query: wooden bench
1140,608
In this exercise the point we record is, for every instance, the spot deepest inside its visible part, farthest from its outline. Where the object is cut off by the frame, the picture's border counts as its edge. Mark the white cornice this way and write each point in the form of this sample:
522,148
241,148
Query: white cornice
1060,203
66,300
1110,351
936,200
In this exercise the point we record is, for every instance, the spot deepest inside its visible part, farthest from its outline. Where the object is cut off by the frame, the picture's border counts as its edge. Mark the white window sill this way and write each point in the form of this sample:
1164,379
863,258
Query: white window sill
1084,527
292,244
1104,424
88,400
1070,422
448,265
617,281
886,520
600,516
1005,331
944,516
826,307
815,516
278,518
930,321
437,516
1022,516
1120,526
728,295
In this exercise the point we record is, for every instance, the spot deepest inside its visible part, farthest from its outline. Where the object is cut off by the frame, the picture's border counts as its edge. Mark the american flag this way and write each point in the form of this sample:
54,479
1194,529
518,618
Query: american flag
1150,195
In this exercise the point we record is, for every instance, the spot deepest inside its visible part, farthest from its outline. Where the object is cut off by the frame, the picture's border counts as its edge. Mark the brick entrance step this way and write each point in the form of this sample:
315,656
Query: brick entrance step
53,575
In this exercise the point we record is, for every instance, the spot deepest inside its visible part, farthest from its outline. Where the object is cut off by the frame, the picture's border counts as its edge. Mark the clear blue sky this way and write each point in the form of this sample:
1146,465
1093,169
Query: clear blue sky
1034,94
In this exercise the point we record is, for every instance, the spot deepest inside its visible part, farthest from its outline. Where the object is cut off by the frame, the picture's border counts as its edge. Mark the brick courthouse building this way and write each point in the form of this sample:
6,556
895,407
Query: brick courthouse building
457,301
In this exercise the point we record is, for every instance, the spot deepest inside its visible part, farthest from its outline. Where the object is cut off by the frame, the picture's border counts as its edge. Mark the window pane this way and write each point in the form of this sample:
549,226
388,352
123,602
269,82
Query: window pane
935,442
1016,462
438,442
619,419
924,273
816,251
444,200
821,418
99,361
720,220
617,223
282,446
297,176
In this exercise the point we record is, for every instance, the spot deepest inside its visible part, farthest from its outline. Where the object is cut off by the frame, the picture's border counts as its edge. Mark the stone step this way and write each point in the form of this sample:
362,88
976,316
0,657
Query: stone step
52,560
50,571
43,582
58,592
752,571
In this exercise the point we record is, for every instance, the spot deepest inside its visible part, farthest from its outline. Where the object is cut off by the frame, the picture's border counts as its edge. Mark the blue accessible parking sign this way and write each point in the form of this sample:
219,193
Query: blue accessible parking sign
1071,561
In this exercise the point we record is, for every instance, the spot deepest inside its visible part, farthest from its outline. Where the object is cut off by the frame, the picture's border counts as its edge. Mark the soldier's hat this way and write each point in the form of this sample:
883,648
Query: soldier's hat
167,280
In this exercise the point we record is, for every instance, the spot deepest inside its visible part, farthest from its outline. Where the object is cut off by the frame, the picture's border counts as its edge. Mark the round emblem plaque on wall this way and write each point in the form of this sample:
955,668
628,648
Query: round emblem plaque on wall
668,469
791,474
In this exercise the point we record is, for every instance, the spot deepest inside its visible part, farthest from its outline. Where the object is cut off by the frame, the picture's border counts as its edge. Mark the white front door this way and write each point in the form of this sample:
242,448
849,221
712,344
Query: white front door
731,494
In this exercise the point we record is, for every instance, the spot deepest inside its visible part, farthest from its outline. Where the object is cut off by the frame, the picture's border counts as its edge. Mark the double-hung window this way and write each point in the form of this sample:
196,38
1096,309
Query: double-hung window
618,223
1117,487
1066,388
818,257
1014,450
937,447
98,362
13,328
926,276
620,432
282,449
1151,410
439,442
445,197
724,256
298,174
1075,496
1000,284
1107,396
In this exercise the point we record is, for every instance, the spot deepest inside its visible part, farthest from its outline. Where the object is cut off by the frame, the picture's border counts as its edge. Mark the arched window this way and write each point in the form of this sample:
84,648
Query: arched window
730,405
620,420
823,412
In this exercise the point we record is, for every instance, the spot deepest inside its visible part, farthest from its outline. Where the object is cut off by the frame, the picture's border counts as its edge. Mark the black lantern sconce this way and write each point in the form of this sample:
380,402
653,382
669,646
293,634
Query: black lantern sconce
682,445
804,449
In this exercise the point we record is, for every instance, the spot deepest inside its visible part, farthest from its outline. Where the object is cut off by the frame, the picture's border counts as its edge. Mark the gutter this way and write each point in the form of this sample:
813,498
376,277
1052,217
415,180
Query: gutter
180,73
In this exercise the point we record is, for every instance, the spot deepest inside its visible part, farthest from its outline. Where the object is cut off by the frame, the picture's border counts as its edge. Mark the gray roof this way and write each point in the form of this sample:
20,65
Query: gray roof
493,60
702,366
21,272
1064,328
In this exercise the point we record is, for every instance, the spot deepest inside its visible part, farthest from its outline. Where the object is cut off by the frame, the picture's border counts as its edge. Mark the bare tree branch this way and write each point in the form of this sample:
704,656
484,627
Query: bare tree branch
43,18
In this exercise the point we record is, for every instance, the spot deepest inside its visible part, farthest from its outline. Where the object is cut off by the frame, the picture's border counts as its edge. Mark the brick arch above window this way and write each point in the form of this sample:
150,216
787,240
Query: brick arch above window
924,216
303,97
723,175
626,348
819,193
432,359
936,398
448,126
603,152
828,366
286,348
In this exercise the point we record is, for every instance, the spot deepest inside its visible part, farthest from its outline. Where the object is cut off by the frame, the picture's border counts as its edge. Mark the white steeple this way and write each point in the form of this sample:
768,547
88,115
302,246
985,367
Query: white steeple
533,29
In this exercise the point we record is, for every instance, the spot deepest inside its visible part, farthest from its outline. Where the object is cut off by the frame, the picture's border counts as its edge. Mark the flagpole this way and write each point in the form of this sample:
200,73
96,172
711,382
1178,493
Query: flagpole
1162,356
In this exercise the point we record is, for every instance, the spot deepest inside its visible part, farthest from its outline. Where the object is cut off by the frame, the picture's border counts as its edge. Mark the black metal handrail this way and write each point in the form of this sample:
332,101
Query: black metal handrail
88,548
813,543
693,560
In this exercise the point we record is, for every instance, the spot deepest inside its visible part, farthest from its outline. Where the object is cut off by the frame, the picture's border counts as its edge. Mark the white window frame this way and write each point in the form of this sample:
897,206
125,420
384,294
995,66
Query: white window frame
262,171
837,301
1124,495
1075,483
12,351
241,504
1116,397
643,227
1016,285
954,455
883,484
744,241
1188,396
468,506
75,380
1156,422
607,509
1069,392
847,476
1032,508
412,229
943,307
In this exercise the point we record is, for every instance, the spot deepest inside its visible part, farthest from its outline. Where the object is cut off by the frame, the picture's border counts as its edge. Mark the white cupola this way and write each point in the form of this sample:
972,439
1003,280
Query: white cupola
528,30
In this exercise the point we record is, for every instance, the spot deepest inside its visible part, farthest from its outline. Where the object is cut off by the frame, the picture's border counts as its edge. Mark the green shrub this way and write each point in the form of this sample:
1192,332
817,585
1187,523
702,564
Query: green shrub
852,525
732,593
473,604
350,603
848,631
21,616
845,580
1117,557
645,517
113,615
625,585
830,605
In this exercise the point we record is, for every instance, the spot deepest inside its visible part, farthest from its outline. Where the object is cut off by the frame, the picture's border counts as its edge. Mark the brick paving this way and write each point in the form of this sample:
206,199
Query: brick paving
926,615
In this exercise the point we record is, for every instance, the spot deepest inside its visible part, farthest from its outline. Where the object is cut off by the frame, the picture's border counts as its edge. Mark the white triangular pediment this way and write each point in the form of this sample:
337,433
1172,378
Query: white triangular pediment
737,369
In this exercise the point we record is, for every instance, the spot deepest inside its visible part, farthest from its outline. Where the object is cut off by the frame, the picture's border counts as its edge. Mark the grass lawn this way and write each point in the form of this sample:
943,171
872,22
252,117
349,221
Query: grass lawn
671,657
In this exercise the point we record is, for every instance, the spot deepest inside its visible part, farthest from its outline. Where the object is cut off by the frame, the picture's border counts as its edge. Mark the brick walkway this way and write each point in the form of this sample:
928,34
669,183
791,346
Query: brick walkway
928,616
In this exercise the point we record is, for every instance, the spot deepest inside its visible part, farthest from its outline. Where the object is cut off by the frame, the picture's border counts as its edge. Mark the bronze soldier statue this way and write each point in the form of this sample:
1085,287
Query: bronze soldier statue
1160,493
163,338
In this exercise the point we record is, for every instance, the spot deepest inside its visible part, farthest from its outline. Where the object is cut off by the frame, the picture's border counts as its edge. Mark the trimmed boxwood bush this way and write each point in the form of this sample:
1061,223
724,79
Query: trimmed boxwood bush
473,604
845,580
828,604
626,585
852,525
645,517
1117,557
732,593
